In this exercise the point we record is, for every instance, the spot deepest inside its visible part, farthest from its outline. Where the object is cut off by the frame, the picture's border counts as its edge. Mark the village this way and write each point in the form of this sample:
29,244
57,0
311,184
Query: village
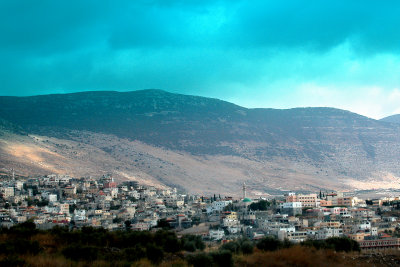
59,200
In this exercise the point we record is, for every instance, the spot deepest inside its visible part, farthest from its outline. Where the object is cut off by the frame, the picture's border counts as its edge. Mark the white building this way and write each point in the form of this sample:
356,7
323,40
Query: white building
52,197
79,215
218,206
328,232
216,234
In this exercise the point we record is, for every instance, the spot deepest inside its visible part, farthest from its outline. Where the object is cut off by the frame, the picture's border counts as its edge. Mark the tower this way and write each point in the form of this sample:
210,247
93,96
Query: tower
244,190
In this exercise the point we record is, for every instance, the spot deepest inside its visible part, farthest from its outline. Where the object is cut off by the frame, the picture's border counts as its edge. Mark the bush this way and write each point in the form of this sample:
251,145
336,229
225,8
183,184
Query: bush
260,205
200,260
20,246
247,247
343,244
81,253
240,245
336,243
232,246
168,241
134,254
154,253
222,258
196,240
24,230
189,246
269,244
12,261
318,244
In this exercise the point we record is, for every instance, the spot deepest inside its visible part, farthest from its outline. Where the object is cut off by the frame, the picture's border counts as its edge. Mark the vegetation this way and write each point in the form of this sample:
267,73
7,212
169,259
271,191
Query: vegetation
336,243
242,245
260,205
24,245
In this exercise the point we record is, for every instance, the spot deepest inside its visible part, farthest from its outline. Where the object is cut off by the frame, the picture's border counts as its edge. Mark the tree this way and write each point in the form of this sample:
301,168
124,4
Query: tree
269,244
343,244
222,258
154,253
163,224
200,260
127,224
260,205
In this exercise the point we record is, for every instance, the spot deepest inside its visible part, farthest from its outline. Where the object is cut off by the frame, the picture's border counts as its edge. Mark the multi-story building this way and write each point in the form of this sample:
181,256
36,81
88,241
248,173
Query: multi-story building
307,201
380,244
292,208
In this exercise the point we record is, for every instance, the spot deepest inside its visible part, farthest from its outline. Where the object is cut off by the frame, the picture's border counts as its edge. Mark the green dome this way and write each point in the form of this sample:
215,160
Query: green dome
247,199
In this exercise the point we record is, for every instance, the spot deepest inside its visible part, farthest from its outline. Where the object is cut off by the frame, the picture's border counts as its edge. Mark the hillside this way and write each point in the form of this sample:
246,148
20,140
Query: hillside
392,119
198,144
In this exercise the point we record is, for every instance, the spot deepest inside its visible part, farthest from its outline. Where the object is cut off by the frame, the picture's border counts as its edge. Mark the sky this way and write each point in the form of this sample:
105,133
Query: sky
259,53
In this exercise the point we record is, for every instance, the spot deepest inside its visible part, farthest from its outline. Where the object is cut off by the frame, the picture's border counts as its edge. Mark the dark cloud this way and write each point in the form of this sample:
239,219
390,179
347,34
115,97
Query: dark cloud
188,46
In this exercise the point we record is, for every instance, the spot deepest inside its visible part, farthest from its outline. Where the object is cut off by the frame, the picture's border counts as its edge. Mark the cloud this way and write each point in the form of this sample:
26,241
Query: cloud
255,53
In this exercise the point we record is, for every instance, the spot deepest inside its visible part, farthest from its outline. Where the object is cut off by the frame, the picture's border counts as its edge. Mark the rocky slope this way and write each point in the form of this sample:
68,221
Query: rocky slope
198,144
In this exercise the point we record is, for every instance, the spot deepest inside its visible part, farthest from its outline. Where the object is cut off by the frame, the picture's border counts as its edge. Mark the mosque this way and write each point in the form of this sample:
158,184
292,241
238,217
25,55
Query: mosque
245,201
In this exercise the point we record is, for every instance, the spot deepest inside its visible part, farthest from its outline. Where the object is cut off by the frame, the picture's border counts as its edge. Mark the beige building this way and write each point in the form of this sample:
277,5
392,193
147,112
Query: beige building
8,192
307,201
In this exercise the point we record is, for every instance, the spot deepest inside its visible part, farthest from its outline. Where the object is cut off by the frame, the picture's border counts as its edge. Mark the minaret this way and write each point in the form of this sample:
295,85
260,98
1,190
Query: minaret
244,190
13,175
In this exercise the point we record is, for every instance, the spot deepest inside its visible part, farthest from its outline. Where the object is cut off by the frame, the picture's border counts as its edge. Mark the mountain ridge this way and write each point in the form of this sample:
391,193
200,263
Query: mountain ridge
392,119
325,143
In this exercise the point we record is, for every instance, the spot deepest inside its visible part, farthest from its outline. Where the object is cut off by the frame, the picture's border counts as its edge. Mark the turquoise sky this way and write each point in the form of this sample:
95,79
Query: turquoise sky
258,53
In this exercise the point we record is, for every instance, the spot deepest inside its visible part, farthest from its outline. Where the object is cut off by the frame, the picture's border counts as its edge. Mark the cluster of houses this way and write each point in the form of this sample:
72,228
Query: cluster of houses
65,201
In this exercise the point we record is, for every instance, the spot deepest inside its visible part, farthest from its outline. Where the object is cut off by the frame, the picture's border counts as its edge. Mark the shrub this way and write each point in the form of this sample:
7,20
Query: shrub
318,244
269,244
343,244
168,241
336,243
189,246
197,240
134,254
12,261
247,247
24,230
154,253
200,260
232,246
20,246
81,253
222,258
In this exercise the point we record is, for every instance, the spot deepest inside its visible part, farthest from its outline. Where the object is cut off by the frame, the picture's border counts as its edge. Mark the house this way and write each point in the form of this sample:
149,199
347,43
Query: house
216,234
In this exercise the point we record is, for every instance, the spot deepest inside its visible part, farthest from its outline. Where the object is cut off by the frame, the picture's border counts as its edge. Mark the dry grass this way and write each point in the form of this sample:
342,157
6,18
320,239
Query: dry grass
46,260
46,241
294,256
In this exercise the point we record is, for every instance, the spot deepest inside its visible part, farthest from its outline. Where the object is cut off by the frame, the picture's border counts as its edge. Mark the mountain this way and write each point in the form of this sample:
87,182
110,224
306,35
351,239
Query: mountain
198,144
392,119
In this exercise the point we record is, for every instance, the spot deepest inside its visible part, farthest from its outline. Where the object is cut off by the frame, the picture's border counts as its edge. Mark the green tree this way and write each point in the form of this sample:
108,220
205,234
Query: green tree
269,244
154,253
200,260
260,205
222,258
